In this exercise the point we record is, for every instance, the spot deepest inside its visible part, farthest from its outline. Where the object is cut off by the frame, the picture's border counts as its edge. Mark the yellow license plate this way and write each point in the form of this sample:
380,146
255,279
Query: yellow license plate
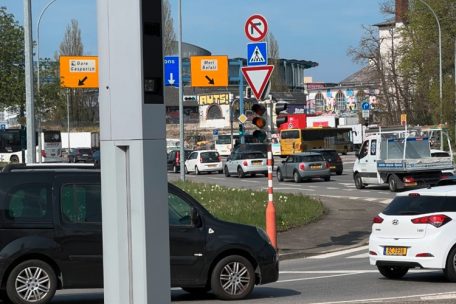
397,251
315,167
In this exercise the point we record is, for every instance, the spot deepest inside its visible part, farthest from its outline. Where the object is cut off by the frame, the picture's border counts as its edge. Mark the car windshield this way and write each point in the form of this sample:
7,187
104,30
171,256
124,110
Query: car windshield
418,204
309,158
252,155
293,134
209,157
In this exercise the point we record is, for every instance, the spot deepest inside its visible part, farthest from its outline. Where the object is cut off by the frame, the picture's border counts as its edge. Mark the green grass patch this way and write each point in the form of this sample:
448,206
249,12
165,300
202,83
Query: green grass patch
248,206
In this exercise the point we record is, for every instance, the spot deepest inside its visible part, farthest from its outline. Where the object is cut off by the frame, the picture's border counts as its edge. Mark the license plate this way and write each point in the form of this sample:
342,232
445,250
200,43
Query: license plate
256,163
397,251
333,167
211,166
315,167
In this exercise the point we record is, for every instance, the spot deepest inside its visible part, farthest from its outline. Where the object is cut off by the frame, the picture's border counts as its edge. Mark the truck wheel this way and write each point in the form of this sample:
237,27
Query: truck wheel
393,181
32,281
233,278
358,181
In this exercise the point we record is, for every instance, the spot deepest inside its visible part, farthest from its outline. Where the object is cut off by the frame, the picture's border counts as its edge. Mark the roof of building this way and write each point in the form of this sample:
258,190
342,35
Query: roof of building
389,22
367,75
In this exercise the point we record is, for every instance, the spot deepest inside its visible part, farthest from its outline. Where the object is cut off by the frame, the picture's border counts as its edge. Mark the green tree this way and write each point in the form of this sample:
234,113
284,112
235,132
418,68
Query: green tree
12,87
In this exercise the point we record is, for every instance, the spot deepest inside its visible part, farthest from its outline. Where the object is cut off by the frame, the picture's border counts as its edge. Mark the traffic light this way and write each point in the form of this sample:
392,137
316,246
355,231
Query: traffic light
259,121
241,129
190,98
279,108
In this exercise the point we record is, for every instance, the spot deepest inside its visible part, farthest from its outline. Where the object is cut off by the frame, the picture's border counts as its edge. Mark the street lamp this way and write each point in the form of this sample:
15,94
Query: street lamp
38,83
440,58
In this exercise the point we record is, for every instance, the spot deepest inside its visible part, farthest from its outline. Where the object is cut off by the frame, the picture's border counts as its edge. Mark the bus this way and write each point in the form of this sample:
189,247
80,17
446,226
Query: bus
294,141
223,143
11,146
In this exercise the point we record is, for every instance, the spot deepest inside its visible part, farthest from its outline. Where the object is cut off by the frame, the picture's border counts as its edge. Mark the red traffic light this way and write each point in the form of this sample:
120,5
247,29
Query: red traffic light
258,109
260,122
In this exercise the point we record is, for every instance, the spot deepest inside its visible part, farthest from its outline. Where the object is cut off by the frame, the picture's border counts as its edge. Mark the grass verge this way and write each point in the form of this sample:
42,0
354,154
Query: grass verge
248,206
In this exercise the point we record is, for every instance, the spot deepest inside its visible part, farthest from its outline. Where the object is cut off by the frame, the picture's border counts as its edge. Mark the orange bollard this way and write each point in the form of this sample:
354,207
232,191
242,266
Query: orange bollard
271,229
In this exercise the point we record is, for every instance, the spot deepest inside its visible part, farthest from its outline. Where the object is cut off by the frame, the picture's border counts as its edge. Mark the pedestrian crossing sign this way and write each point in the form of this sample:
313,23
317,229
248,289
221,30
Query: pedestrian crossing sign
257,53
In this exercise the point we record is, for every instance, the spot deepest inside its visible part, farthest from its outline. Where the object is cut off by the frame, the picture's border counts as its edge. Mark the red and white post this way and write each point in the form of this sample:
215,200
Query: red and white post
270,208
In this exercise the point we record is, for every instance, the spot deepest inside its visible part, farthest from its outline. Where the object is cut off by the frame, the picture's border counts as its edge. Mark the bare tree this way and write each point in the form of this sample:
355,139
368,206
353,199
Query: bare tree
277,81
169,36
72,42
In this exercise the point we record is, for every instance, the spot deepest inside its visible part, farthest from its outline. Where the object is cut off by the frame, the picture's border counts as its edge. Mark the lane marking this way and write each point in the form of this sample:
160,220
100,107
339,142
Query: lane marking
338,253
216,178
359,256
327,271
370,199
332,188
315,278
386,298
291,188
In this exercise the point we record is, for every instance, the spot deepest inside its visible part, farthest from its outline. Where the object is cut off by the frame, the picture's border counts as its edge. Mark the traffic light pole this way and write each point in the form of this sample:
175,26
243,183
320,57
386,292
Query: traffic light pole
241,101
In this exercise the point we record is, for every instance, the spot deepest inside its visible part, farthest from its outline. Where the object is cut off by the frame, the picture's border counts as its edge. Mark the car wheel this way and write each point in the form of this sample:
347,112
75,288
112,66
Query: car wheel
279,176
32,281
358,181
220,172
393,272
185,170
327,178
14,159
197,172
225,170
450,268
339,172
253,174
240,172
196,290
233,278
393,183
296,177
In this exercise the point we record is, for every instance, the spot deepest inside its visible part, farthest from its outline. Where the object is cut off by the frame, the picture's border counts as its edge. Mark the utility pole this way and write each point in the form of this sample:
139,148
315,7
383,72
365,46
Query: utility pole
29,104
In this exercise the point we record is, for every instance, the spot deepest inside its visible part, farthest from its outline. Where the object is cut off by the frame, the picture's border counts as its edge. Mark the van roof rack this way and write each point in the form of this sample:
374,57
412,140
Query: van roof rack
48,166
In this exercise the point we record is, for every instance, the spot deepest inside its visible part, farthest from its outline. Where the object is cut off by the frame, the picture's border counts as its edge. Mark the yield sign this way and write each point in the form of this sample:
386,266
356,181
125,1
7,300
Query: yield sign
257,78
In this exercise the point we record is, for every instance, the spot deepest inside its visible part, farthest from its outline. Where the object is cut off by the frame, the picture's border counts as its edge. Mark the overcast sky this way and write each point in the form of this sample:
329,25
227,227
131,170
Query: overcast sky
316,30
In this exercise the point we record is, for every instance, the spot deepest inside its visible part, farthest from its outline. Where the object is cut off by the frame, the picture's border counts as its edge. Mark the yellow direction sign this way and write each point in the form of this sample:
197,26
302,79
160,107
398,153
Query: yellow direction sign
209,71
79,72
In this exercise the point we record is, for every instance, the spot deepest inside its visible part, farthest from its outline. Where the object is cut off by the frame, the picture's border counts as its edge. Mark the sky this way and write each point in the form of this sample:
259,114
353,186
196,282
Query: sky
316,30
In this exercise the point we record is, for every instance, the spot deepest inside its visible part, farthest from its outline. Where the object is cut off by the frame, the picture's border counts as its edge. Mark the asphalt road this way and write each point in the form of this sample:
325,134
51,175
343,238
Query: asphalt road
336,278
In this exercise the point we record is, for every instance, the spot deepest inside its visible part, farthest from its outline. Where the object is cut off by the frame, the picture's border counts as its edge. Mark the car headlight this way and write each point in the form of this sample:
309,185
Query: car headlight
264,236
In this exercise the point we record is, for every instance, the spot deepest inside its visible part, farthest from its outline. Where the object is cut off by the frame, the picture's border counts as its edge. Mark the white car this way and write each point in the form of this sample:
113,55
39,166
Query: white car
243,163
203,161
417,229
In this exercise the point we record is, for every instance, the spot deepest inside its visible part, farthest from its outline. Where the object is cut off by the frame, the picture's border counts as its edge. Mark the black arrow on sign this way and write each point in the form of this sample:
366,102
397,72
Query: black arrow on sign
211,80
81,82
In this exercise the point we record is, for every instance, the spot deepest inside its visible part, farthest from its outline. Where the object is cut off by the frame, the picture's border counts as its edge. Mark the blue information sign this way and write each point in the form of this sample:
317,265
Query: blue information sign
257,53
215,132
365,105
171,71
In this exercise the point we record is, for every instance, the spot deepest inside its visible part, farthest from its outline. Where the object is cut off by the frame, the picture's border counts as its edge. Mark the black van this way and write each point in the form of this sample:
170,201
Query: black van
51,238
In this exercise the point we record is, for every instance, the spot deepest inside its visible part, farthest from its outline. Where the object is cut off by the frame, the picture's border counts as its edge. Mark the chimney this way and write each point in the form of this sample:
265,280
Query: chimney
401,10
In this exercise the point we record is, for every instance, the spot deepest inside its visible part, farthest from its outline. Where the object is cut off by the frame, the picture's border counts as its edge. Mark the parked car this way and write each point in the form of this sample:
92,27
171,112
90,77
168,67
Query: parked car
332,157
77,155
303,166
243,163
173,161
416,230
204,161
46,208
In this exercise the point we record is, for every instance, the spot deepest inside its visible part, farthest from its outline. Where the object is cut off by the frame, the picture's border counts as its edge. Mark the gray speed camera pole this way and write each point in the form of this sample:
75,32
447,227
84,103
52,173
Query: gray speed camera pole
133,166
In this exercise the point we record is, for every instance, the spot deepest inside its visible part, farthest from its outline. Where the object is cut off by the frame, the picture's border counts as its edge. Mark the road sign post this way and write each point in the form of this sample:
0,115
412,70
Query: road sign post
171,65
79,72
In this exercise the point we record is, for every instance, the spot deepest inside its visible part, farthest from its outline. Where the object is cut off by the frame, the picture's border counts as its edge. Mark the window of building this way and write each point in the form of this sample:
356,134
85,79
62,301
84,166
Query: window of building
29,203
340,101
214,112
81,203
319,102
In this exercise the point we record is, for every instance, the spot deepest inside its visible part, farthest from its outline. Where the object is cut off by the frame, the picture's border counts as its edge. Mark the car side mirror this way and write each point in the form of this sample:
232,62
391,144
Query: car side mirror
357,154
196,218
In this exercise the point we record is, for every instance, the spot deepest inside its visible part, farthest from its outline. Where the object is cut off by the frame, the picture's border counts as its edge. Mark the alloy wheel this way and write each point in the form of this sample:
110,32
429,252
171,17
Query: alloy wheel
32,284
235,278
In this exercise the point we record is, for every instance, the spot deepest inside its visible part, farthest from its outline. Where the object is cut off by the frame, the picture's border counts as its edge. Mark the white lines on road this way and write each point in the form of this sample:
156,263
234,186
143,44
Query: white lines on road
359,256
448,295
332,188
251,181
216,178
292,188
315,278
338,253
328,271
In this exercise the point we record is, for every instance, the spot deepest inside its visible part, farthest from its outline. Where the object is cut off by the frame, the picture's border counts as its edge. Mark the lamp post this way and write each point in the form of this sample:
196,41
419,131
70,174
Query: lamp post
440,58
38,83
